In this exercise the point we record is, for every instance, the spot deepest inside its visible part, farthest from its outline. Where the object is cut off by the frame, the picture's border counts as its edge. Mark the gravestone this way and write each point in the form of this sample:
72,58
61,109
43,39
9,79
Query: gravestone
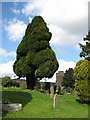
52,92
55,101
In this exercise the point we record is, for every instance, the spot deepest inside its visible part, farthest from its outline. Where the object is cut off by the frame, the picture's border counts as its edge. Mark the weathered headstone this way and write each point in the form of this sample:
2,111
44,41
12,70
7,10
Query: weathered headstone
55,101
52,92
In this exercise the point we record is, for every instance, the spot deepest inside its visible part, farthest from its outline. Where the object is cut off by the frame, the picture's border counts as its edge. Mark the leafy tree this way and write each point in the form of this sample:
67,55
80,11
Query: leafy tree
8,82
82,80
86,48
68,80
35,58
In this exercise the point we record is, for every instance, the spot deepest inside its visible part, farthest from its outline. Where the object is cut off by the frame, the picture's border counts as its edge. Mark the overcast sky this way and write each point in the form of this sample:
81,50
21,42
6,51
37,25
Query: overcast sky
66,19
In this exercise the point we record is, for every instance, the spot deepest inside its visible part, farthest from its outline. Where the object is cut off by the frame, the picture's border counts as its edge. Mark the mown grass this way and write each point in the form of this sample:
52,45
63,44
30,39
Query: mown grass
39,105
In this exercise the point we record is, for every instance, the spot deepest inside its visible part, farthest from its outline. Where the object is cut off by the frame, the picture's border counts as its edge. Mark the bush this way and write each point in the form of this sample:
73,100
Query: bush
8,82
23,85
37,86
16,84
81,75
68,90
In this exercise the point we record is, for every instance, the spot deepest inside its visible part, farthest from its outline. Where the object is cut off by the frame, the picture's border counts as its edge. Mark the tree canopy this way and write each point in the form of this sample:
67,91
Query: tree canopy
68,80
86,48
35,58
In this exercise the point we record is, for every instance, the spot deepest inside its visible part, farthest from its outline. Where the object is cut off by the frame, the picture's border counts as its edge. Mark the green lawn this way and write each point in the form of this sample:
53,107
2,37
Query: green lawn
39,105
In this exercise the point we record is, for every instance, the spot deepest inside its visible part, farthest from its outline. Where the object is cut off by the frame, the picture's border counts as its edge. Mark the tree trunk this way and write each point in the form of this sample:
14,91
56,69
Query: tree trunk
31,80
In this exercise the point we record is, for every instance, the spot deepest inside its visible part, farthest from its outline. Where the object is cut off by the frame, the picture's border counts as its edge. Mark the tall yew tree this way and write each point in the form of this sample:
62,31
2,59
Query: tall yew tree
35,58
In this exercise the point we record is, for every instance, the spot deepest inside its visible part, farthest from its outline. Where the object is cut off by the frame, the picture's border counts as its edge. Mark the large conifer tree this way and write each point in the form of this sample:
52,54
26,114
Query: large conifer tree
35,58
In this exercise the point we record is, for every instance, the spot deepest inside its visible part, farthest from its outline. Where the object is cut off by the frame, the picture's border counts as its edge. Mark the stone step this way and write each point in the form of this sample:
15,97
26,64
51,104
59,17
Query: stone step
11,107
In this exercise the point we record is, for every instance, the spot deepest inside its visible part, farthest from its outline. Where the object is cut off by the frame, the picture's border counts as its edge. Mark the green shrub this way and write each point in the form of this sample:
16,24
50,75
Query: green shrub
8,82
16,84
37,86
23,85
68,89
81,75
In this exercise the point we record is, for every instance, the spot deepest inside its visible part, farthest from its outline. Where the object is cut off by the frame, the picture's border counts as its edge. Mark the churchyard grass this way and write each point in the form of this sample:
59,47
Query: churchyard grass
39,105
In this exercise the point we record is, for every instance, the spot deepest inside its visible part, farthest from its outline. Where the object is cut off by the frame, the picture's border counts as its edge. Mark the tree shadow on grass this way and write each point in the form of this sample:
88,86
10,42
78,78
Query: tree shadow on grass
16,97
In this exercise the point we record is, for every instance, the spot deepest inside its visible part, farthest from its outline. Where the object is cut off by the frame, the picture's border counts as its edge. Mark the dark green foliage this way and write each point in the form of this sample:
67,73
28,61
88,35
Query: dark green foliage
37,86
46,69
35,58
15,83
68,80
82,80
86,48
8,82
23,85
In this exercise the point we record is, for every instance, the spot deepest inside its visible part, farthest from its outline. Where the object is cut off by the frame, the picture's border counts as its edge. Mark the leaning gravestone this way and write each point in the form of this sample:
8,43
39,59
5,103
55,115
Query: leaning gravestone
52,92
55,101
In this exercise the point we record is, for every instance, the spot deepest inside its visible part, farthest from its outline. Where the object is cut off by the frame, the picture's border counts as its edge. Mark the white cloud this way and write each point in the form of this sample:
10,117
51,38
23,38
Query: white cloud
62,11
16,29
67,19
16,11
34,7
30,19
61,37
6,69
65,65
5,53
